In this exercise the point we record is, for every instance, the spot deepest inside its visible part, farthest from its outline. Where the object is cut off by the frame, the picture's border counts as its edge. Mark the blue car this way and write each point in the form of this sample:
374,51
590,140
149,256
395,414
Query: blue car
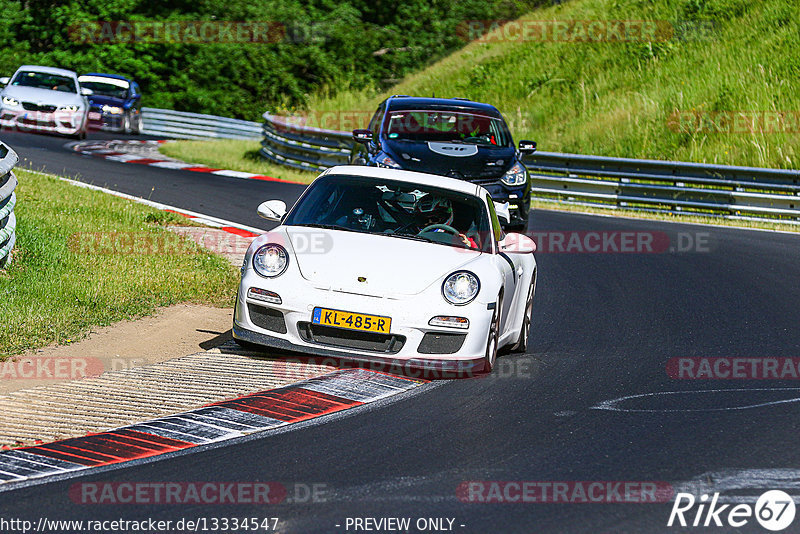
452,137
114,103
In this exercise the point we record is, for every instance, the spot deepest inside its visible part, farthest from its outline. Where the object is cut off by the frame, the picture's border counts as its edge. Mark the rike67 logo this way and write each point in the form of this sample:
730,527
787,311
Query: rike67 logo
774,510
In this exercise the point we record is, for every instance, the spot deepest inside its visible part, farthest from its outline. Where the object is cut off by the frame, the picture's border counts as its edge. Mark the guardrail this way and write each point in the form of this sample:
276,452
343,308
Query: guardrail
8,199
614,183
311,149
183,125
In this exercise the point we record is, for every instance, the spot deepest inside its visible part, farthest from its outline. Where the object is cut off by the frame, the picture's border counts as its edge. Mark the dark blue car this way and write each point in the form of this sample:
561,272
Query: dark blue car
451,137
114,103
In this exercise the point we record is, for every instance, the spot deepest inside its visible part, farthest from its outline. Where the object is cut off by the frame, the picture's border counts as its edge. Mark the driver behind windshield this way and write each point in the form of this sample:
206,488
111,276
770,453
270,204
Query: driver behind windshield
435,214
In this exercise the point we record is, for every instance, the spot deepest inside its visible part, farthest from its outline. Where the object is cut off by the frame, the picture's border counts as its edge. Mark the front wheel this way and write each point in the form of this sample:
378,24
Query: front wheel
522,341
80,134
126,123
136,124
490,358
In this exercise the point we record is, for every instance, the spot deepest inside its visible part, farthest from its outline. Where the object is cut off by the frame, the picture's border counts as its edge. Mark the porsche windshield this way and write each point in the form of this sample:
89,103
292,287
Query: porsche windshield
44,80
395,209
447,126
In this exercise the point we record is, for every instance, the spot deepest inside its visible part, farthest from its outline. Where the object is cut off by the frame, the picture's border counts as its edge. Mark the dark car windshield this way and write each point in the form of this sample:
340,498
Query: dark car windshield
43,80
394,209
107,89
446,126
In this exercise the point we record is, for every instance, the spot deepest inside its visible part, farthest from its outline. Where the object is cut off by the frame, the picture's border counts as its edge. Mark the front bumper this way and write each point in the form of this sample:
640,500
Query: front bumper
65,123
412,344
414,367
102,120
518,198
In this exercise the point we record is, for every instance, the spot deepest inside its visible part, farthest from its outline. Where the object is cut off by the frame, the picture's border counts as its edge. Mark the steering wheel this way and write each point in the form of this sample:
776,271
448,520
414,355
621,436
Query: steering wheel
446,228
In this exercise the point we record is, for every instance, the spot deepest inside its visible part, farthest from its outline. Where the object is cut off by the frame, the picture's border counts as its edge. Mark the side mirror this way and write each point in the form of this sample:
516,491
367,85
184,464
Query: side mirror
517,244
503,212
272,210
527,147
362,136
4,80
85,91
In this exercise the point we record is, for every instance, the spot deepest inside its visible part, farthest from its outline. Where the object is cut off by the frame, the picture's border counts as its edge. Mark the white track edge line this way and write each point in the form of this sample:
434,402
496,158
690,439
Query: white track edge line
151,203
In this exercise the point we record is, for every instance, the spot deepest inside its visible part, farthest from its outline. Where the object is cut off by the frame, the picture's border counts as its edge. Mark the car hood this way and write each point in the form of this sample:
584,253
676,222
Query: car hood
45,96
459,160
391,266
104,100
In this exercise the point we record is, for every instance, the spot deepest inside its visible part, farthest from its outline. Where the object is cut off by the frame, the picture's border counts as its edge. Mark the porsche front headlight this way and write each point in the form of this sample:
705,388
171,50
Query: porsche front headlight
7,100
515,175
114,110
270,260
461,288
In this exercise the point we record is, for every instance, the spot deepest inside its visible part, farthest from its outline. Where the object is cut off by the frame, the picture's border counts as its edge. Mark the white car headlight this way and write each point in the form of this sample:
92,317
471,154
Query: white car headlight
461,288
270,260
71,109
387,162
7,100
515,175
114,110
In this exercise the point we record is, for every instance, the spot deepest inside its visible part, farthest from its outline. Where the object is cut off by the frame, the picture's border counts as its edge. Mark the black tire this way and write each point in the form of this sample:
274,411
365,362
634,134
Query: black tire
81,135
522,341
126,123
136,124
490,358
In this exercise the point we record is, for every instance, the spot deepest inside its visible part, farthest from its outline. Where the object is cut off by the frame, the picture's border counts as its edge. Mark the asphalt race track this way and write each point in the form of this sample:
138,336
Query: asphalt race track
210,195
605,327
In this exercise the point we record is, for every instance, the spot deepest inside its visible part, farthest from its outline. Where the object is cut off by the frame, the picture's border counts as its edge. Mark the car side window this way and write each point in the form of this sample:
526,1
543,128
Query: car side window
499,235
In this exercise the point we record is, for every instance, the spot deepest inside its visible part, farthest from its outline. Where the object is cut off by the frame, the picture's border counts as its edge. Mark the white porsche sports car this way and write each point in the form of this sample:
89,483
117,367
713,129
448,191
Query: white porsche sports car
375,264
45,99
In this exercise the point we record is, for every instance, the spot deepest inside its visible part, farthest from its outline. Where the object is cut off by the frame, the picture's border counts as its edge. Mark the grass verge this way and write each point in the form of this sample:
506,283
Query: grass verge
85,259
233,154
719,84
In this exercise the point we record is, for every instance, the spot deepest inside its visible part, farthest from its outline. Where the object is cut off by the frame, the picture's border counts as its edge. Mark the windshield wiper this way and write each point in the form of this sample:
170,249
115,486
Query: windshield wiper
326,226
415,237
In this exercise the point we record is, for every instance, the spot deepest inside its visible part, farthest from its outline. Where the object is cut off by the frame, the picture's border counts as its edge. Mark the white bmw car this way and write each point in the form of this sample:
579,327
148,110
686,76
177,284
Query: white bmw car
375,264
44,99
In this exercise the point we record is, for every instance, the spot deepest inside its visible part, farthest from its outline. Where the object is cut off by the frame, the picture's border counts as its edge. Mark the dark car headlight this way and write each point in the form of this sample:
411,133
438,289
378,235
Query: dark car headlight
383,160
516,175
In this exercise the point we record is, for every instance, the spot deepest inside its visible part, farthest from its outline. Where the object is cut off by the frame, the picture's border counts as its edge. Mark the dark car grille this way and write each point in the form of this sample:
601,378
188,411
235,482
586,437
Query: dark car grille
30,106
441,343
350,339
267,318
489,175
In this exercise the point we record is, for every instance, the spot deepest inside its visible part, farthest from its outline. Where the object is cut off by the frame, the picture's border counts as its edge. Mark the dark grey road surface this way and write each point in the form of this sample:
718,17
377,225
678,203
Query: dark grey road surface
605,326
219,196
